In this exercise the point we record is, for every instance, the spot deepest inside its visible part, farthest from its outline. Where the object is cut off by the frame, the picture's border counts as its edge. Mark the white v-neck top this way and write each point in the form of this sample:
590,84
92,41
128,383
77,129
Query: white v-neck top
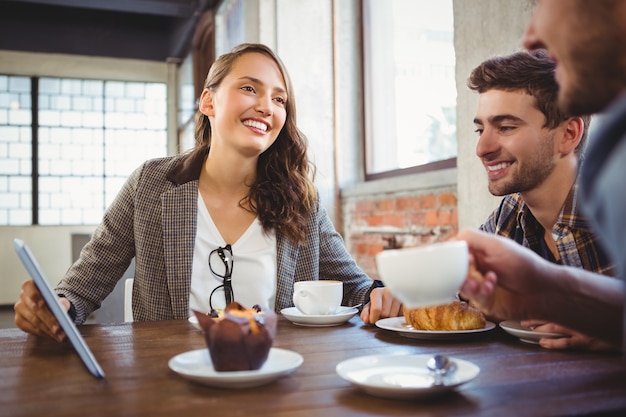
254,265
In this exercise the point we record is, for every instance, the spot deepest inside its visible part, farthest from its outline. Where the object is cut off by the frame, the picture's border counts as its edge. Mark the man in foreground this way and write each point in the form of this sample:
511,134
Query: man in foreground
587,40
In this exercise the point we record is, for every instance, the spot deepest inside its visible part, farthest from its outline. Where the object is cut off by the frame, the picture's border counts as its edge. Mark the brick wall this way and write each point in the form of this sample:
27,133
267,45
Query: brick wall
376,222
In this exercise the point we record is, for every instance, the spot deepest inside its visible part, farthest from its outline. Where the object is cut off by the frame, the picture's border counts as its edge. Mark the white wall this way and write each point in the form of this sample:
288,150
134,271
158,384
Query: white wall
52,245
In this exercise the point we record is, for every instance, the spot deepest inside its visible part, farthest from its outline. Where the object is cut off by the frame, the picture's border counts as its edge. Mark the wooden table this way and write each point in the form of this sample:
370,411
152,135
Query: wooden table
42,378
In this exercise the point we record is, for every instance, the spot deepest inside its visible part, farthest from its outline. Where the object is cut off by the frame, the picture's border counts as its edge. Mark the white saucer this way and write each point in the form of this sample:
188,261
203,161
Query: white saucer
525,334
402,376
194,322
399,324
297,317
196,365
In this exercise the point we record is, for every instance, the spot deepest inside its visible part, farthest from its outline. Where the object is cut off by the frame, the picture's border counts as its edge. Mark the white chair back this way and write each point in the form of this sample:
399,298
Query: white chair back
128,300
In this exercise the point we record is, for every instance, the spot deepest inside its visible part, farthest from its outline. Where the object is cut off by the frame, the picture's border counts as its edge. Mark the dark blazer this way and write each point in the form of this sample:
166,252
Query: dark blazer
153,219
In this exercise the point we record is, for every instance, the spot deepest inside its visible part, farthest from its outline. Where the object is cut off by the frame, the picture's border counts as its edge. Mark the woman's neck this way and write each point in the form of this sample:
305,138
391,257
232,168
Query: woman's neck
225,174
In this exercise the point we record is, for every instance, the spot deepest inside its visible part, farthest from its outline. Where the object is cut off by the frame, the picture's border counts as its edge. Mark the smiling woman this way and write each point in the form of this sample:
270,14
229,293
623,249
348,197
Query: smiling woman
238,215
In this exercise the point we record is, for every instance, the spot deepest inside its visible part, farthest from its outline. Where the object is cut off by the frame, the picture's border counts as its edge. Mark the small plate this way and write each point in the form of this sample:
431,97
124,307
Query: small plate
402,376
297,317
525,334
196,365
399,324
194,322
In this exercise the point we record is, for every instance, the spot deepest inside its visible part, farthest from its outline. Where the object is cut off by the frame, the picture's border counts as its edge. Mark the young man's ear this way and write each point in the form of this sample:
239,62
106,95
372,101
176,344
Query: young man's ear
572,134
205,104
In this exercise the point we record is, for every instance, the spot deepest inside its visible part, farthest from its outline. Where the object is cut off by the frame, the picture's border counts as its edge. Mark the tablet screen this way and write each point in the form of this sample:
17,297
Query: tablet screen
66,323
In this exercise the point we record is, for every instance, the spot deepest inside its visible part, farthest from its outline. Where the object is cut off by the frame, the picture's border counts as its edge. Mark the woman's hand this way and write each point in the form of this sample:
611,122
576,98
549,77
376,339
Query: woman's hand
382,305
33,315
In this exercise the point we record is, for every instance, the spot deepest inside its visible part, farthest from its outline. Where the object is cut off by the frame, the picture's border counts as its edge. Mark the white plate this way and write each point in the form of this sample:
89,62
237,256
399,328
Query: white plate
196,365
525,334
297,317
399,324
402,376
194,322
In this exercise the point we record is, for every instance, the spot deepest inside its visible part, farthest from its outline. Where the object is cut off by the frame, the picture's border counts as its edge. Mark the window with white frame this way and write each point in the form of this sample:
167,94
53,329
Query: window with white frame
67,145
410,90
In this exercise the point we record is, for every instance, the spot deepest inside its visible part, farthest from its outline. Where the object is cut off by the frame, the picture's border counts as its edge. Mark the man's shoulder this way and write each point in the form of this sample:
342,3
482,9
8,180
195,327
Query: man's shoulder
503,219
510,206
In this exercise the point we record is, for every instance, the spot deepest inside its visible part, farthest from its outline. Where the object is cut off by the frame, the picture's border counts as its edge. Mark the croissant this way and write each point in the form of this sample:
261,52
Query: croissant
457,315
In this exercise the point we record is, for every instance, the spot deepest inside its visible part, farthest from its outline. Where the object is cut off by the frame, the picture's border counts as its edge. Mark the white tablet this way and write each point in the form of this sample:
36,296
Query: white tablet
68,326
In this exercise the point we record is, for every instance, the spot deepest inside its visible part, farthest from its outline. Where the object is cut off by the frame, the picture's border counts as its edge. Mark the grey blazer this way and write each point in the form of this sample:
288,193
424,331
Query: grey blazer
153,219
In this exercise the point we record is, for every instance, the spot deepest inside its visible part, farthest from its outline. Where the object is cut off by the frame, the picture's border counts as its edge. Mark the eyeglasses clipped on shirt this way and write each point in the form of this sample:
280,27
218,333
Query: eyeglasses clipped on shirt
221,265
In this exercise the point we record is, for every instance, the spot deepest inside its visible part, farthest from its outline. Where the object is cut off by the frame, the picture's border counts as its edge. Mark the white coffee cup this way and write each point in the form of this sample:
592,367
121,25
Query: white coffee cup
426,275
321,297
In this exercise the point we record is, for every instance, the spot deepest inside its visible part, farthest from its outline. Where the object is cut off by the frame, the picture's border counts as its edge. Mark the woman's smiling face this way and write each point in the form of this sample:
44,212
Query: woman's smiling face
248,108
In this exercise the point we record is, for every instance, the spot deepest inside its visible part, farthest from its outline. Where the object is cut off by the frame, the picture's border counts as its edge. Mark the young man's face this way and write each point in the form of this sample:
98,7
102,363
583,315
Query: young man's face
516,149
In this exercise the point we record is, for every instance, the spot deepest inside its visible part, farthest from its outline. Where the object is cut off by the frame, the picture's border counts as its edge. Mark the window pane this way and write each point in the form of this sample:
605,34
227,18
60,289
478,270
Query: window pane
230,25
135,130
410,98
70,149
92,134
15,151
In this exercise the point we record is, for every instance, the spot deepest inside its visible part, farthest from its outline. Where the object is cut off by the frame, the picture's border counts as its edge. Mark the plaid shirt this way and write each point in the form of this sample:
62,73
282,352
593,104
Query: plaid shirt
153,219
577,245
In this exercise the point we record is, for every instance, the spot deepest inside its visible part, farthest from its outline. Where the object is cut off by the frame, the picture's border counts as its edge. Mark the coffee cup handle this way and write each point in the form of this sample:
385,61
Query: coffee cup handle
299,298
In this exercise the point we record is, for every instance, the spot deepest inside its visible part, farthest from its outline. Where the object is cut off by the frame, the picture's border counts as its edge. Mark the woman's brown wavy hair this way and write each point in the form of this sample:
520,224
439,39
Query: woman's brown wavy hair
283,194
